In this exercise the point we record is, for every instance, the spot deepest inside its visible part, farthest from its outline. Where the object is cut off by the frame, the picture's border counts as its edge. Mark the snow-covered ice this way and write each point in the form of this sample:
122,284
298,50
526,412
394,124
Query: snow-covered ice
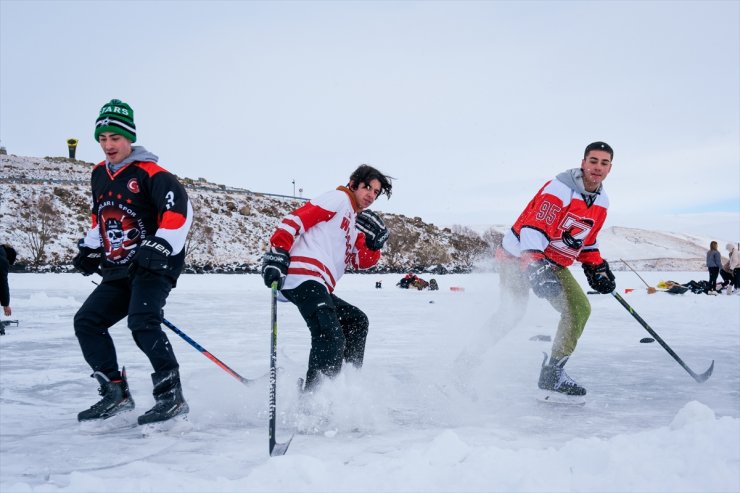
399,424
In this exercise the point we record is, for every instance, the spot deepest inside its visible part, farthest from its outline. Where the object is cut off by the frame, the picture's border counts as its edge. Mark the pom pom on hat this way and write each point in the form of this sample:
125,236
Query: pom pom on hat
116,117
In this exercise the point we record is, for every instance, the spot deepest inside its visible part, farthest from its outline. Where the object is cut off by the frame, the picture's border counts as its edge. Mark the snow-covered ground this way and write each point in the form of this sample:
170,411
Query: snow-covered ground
397,425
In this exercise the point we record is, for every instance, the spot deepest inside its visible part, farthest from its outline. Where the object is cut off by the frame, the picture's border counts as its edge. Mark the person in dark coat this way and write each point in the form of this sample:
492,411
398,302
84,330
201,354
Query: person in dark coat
7,258
714,264
140,219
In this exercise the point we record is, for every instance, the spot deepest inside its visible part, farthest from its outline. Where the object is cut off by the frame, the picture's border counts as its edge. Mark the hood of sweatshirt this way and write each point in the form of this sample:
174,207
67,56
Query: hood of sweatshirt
138,153
573,179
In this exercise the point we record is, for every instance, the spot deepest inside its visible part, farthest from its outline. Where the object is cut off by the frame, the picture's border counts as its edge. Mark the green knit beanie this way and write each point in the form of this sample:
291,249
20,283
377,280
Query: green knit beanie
116,117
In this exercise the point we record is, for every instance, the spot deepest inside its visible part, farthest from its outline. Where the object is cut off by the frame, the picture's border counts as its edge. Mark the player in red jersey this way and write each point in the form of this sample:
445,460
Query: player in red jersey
559,226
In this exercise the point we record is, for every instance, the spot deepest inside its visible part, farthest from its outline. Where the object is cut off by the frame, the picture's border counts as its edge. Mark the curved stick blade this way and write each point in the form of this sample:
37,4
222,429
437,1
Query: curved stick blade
704,376
280,448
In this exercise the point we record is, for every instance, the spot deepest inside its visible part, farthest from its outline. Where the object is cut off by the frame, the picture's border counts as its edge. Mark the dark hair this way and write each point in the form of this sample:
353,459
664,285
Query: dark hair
10,253
599,146
365,174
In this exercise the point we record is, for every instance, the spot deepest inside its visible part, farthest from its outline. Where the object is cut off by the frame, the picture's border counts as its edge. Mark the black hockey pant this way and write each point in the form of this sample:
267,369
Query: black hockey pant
338,330
142,301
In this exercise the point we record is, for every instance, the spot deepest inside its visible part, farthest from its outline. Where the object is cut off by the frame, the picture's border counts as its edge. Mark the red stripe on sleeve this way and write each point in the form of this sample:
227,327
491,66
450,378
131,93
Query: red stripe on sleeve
172,220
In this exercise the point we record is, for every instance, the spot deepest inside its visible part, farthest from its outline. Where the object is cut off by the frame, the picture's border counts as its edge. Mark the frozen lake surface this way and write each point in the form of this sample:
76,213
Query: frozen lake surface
399,424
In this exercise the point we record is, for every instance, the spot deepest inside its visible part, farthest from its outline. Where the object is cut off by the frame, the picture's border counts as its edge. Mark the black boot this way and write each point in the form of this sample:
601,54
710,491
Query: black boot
554,378
116,398
168,394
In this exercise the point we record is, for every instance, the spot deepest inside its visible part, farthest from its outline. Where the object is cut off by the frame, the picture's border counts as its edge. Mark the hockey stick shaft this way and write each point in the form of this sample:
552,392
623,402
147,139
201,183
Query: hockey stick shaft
633,270
274,447
206,353
699,378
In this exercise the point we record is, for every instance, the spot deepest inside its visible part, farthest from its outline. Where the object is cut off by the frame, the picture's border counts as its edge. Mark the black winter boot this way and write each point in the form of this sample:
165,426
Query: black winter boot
116,398
168,394
554,378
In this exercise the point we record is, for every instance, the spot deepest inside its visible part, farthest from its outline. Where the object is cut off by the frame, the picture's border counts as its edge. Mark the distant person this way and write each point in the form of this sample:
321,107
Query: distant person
7,258
734,265
559,226
140,218
714,264
310,251
726,274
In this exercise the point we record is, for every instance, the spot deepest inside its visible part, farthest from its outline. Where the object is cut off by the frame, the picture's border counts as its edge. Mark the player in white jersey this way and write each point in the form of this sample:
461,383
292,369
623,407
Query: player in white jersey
310,251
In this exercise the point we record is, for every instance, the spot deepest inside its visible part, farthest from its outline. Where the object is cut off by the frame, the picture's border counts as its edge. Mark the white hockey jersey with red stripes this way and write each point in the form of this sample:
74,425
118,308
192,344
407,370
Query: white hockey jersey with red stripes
322,240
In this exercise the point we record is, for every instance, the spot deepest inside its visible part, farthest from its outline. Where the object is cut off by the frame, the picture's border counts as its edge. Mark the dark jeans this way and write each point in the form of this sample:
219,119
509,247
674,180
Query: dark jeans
736,275
713,273
142,301
338,330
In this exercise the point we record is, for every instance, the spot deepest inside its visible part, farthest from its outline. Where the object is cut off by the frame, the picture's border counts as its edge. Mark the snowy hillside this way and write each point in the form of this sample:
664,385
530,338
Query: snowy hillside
233,225
229,233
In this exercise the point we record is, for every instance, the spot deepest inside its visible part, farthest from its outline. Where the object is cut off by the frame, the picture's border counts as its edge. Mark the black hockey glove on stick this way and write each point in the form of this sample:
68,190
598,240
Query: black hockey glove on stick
376,234
600,277
542,278
275,264
154,256
87,259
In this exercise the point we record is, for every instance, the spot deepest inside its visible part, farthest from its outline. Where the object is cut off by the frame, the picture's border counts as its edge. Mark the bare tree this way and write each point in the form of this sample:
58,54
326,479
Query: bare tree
493,238
39,223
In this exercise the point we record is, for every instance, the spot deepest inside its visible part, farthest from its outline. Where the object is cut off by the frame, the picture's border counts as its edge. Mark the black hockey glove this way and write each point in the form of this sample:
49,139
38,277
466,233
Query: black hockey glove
87,259
600,277
542,278
154,256
376,234
275,264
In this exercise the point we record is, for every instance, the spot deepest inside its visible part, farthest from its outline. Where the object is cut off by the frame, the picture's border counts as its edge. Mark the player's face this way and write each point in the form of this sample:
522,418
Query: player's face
116,147
596,166
367,193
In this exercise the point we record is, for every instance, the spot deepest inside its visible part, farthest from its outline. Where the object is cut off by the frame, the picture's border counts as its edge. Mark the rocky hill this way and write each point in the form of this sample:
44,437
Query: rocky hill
45,209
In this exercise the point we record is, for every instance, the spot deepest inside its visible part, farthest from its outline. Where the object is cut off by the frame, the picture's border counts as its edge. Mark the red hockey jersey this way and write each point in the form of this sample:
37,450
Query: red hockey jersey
561,223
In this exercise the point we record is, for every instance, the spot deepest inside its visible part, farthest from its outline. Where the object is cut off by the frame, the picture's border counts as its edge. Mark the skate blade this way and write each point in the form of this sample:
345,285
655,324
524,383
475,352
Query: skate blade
121,421
178,425
549,397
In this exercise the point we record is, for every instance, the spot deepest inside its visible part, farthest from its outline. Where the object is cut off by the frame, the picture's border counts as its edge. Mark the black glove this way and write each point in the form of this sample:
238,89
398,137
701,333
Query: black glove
376,234
87,259
275,264
542,278
153,255
600,277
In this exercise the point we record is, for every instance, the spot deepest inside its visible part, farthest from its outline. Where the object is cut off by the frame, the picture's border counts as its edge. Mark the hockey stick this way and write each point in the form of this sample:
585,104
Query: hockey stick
207,354
650,289
699,378
224,366
275,448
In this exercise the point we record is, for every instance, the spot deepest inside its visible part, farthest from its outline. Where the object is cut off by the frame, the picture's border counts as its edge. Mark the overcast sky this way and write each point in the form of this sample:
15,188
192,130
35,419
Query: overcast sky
471,106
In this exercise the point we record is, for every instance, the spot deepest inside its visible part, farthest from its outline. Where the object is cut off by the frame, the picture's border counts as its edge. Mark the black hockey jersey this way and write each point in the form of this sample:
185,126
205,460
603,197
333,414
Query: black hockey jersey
139,201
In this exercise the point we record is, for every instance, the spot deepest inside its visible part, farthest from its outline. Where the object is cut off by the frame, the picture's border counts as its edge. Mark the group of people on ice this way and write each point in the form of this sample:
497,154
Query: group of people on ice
729,270
141,216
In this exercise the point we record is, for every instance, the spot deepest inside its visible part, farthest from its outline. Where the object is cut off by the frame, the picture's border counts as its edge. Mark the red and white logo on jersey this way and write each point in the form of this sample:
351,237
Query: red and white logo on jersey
133,185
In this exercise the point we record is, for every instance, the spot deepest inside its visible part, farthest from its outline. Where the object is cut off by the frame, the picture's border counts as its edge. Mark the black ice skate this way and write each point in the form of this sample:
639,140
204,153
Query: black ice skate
116,398
169,400
554,379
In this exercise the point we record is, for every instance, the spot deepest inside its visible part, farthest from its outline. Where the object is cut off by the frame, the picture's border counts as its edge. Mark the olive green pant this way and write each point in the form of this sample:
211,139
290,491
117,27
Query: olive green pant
571,303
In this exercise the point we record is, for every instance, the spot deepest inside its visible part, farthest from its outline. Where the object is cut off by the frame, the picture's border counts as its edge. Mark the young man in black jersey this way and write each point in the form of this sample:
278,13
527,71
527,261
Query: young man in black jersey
141,216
